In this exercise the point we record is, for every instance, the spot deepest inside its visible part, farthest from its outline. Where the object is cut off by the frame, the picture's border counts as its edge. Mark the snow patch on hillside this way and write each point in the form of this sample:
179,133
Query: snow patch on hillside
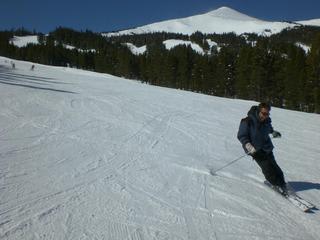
70,47
136,50
23,41
305,47
213,45
171,43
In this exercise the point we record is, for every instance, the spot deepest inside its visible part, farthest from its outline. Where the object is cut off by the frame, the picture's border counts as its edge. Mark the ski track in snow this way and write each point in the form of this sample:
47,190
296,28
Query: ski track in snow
92,156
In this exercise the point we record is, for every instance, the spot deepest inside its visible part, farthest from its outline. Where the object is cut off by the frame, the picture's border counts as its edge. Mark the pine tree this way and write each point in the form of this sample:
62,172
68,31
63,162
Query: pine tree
225,72
295,74
170,70
244,68
313,76
259,76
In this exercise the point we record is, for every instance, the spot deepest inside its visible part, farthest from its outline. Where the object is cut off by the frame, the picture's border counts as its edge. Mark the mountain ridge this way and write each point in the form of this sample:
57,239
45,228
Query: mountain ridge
221,20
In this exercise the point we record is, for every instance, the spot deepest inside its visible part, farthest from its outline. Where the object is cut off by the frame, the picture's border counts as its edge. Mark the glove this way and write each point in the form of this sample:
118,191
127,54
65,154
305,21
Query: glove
250,149
276,134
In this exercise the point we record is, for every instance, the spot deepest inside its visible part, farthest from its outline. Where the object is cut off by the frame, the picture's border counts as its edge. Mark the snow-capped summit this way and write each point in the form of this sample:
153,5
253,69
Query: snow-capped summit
221,20
229,13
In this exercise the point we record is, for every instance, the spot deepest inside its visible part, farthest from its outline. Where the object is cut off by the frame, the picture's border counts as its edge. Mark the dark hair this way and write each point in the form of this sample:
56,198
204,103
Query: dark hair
264,105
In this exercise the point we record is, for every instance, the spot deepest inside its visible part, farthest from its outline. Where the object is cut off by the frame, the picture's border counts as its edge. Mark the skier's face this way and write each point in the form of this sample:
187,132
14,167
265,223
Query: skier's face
264,114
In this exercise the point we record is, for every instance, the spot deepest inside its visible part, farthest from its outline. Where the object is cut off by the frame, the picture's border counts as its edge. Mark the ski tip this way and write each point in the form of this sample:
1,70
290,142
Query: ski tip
311,210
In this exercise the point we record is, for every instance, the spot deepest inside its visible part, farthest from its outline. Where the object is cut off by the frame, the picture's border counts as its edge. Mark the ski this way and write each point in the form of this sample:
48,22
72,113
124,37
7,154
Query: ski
297,202
293,193
293,198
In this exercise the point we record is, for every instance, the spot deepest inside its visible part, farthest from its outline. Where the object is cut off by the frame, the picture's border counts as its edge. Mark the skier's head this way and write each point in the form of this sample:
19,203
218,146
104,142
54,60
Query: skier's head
264,111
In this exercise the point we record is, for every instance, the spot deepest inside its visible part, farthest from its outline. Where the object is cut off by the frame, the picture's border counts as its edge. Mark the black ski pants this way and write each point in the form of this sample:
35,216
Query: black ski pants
270,169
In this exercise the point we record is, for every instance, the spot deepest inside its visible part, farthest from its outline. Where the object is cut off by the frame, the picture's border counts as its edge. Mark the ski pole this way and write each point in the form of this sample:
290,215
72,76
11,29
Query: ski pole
228,164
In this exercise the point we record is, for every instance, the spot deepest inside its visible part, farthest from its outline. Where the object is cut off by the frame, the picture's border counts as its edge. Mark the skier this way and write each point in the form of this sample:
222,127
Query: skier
254,136
13,65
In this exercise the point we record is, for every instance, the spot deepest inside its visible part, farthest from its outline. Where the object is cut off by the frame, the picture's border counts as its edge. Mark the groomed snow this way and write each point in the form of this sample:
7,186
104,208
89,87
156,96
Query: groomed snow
92,156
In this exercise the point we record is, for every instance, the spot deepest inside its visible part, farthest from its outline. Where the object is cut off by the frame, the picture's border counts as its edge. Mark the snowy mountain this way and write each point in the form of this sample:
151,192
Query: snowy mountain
312,22
221,20
92,156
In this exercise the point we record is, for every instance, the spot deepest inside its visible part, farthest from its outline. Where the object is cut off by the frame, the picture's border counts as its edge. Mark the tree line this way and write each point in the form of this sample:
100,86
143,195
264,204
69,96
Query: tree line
260,68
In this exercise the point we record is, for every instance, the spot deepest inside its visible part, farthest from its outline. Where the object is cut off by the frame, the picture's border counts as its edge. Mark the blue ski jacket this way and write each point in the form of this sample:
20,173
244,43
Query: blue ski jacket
252,130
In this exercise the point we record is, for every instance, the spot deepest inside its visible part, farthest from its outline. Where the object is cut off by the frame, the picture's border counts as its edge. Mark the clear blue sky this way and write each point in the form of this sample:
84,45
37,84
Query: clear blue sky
99,15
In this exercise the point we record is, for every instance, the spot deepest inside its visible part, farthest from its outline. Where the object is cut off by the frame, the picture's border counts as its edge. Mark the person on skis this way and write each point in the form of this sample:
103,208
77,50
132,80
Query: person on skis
254,136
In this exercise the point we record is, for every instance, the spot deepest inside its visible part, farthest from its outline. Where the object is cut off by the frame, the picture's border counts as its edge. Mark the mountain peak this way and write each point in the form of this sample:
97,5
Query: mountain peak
221,20
229,13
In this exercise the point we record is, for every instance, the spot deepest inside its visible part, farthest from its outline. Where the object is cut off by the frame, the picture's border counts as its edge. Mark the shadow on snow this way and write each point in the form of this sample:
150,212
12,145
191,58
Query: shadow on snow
9,77
303,186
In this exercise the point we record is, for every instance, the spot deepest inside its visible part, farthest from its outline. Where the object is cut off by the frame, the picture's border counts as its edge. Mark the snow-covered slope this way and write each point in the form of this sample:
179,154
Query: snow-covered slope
312,22
92,156
171,43
136,50
221,20
305,47
22,41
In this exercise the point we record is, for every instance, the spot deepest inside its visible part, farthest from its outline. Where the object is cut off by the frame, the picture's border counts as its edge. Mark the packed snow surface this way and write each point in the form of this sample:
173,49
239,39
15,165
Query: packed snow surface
92,156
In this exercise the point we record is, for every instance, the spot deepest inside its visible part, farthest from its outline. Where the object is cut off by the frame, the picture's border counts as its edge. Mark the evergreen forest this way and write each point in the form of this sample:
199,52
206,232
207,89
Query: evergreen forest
272,68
